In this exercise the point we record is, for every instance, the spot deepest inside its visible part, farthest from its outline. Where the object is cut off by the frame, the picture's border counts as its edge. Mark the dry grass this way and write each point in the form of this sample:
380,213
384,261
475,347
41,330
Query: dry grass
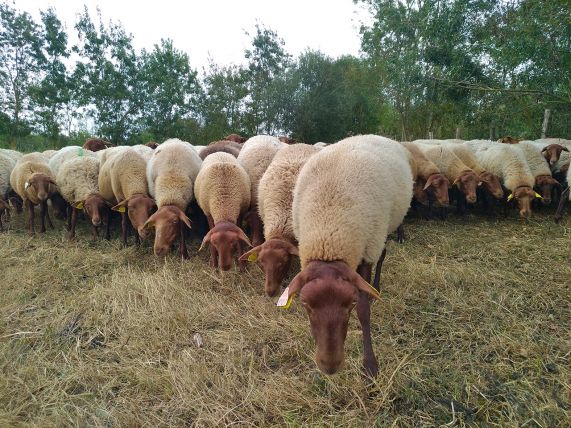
473,330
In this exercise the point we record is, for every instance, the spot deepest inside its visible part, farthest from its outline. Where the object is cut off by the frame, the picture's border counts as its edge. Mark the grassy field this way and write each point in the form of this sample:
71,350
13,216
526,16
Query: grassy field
474,329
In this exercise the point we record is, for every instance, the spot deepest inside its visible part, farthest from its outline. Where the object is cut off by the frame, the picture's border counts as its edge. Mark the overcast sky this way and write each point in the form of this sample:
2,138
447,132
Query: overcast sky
215,28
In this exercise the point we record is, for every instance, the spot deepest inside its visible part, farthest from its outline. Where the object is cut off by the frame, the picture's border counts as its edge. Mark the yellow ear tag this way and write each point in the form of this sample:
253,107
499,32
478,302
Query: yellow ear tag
510,197
121,209
537,195
253,257
285,300
79,205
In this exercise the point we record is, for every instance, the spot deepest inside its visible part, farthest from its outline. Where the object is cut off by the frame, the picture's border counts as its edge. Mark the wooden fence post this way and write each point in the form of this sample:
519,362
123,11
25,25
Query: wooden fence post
545,125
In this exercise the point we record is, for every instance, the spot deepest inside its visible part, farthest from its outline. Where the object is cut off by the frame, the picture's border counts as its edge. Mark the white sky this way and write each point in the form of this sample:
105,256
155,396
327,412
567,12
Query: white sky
215,28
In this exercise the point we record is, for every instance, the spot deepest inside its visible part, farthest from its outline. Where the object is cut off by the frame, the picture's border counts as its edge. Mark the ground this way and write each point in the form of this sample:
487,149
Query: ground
473,330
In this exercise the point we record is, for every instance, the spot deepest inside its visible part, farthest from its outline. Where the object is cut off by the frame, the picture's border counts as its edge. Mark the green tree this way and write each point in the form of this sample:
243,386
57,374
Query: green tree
20,56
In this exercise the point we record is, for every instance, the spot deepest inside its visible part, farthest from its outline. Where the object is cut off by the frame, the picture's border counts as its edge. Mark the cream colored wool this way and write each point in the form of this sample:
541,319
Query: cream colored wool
22,173
222,188
49,153
509,165
467,155
535,160
171,173
348,197
125,175
144,151
77,178
444,158
275,191
7,164
12,154
421,166
33,157
256,155
66,153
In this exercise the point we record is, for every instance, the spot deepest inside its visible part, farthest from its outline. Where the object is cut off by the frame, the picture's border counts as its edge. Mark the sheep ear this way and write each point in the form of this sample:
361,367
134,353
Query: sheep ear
291,290
544,149
121,207
78,205
206,240
293,250
251,255
149,224
510,197
184,219
242,236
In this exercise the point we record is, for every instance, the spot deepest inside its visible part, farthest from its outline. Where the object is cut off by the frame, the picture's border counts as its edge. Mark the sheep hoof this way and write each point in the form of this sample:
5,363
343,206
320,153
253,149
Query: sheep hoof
370,369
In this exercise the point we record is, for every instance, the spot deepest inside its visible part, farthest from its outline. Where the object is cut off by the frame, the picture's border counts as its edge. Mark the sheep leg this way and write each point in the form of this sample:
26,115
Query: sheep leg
256,227
242,250
124,228
370,365
378,268
108,225
69,214
50,224
400,234
213,252
72,223
182,244
94,232
461,205
31,229
561,207
43,212
1,214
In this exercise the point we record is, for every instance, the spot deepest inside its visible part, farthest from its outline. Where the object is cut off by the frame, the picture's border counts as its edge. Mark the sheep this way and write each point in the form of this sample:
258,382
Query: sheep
77,183
144,151
489,181
539,167
342,215
171,173
13,154
551,152
7,164
236,138
222,190
460,174
427,177
221,146
123,181
275,196
96,144
512,169
256,155
33,180
65,154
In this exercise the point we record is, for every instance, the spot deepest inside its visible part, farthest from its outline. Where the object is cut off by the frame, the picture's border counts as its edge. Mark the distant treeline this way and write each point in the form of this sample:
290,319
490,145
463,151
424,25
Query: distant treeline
429,68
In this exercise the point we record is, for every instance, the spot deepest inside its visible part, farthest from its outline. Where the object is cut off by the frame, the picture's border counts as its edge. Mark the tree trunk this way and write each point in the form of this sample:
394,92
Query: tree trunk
545,126
493,131
458,130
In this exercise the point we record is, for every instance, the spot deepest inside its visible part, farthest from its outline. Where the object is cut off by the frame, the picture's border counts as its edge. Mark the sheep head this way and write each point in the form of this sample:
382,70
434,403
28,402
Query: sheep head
168,223
226,238
552,152
467,183
492,184
437,185
139,208
275,256
40,185
523,197
544,185
328,291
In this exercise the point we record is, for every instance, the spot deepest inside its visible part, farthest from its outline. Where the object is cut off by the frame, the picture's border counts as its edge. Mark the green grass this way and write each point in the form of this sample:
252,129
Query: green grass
475,314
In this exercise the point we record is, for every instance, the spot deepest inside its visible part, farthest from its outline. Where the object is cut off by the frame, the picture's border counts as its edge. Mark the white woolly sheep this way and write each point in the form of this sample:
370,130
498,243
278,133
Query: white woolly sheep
77,184
512,169
539,168
222,191
275,197
65,154
256,155
33,180
171,173
123,181
342,215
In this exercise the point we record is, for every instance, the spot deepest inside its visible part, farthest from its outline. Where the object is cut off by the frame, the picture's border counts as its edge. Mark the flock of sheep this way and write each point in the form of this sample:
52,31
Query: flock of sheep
266,201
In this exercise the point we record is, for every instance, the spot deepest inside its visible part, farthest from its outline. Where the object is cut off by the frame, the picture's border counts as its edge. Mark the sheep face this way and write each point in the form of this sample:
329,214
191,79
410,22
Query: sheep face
492,184
168,223
544,185
523,196
93,206
275,257
226,238
152,145
552,152
329,291
467,183
59,206
40,185
139,208
437,185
